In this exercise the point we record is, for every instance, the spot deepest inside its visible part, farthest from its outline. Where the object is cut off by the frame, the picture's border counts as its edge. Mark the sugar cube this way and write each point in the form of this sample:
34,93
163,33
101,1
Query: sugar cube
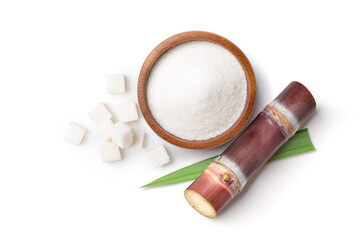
110,152
104,129
121,135
100,113
74,133
128,112
158,156
115,83
138,138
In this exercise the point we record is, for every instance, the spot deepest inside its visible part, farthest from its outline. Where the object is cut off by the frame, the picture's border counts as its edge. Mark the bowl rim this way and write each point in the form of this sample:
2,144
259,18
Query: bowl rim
193,36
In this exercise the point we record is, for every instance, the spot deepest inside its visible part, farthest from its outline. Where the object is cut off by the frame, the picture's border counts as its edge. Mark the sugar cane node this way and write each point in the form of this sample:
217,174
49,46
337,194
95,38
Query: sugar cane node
282,120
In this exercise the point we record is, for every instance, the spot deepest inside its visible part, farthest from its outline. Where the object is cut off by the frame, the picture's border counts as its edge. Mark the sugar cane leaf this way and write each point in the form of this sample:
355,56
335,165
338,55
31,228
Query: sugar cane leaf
299,143
188,173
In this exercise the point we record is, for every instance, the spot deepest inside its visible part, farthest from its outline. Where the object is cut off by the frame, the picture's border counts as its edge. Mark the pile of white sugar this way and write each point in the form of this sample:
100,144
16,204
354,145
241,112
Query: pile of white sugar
196,90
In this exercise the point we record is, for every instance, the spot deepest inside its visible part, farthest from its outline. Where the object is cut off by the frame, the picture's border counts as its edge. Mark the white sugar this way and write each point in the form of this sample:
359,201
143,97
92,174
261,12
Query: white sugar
196,90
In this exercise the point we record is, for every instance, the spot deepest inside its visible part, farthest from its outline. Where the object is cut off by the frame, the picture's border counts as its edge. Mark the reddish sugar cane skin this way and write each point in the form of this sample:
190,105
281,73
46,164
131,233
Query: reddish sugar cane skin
250,151
255,145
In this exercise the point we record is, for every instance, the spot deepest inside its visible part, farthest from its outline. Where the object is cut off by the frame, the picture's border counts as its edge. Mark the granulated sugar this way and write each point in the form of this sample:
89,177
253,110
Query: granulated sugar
196,90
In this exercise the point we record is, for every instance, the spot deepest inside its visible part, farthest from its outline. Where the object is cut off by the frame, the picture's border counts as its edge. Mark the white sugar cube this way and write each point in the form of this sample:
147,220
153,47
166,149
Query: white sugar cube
110,152
121,135
158,156
100,113
74,133
104,129
128,112
115,83
138,138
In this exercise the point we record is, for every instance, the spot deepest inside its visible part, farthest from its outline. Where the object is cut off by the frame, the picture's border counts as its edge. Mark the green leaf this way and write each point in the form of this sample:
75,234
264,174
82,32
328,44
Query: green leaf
299,143
184,174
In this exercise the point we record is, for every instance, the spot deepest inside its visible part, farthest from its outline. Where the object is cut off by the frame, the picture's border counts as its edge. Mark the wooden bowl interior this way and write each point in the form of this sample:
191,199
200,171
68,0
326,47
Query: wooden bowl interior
193,36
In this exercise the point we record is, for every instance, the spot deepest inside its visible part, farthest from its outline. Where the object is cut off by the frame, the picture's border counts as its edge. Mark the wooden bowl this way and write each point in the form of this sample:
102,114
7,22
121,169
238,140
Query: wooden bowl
191,36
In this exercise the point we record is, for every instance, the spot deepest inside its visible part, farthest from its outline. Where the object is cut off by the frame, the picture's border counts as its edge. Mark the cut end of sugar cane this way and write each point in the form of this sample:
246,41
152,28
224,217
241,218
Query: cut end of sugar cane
200,204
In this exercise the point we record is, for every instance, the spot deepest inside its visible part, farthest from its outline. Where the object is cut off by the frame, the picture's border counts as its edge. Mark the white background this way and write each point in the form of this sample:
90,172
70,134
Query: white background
54,56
